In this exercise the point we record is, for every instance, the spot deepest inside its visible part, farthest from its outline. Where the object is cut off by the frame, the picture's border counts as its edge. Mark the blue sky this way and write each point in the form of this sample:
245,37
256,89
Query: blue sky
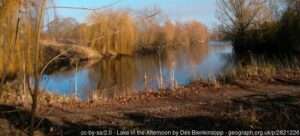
177,10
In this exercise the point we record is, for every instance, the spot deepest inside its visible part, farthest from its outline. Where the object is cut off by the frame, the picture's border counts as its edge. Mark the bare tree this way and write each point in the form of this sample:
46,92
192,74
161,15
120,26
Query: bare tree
237,16
63,29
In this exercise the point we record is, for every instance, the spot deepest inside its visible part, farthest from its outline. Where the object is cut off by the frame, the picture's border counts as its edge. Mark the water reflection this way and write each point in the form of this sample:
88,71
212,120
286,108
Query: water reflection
124,75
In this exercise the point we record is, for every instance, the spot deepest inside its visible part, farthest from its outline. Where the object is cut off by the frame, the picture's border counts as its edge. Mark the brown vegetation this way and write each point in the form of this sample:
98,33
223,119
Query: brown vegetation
114,32
154,36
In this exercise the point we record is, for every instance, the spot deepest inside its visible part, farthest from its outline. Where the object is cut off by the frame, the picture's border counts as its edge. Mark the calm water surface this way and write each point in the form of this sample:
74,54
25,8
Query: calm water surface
124,75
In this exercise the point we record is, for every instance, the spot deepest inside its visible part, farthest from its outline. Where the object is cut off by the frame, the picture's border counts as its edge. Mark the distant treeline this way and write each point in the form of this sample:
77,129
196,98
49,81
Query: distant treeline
261,26
122,32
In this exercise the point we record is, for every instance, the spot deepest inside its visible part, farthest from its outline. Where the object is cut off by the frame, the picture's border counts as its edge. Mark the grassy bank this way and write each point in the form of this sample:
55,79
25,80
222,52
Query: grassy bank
263,69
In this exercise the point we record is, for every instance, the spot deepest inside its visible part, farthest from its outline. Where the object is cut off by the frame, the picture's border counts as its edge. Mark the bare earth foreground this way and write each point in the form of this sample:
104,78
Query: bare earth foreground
251,104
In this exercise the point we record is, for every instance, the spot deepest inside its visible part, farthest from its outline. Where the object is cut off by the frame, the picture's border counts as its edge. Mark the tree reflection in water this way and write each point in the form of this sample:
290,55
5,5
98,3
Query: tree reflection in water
125,75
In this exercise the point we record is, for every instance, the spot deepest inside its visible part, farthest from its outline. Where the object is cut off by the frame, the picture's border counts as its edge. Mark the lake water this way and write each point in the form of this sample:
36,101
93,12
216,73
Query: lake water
125,75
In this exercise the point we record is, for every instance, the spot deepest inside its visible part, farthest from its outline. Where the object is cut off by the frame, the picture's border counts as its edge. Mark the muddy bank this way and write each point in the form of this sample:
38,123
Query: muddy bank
228,108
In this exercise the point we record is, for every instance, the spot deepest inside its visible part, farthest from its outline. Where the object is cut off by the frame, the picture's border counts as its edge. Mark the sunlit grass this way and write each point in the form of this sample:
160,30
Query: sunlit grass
261,69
